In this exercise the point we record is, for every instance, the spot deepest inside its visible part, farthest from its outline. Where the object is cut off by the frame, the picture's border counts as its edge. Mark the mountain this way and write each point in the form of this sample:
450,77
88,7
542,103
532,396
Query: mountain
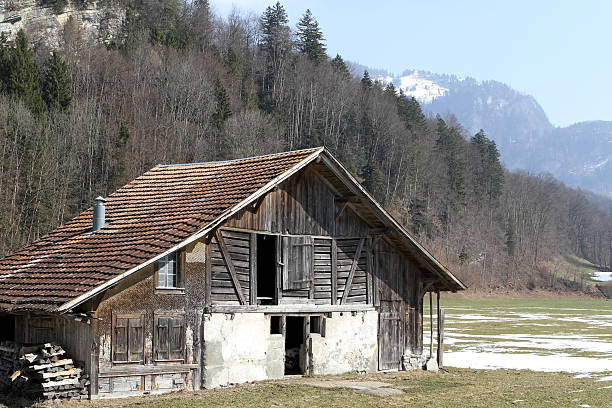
579,155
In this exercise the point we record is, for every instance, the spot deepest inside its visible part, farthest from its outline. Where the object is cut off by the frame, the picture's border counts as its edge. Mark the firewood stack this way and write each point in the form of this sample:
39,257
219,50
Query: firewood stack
44,372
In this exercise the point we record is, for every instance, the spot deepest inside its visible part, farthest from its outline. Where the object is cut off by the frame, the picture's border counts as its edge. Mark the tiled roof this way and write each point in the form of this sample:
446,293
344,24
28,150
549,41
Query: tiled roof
145,218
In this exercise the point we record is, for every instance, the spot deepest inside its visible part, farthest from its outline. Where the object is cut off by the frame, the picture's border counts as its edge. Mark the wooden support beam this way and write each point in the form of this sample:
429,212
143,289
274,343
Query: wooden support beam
334,272
346,199
253,269
341,210
230,266
430,325
307,351
440,333
379,231
349,280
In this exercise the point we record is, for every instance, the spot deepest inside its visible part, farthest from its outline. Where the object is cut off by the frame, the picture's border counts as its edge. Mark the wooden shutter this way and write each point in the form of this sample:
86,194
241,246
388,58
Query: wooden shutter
176,338
161,338
135,339
120,340
297,262
169,338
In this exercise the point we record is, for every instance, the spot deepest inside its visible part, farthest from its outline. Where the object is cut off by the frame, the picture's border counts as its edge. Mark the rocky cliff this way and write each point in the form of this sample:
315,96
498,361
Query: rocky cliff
44,20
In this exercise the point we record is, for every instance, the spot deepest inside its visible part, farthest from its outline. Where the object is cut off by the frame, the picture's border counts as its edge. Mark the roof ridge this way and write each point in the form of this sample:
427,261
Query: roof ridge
242,158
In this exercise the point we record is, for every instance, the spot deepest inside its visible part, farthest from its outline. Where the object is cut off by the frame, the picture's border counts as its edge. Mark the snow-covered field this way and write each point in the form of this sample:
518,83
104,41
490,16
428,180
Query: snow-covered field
573,336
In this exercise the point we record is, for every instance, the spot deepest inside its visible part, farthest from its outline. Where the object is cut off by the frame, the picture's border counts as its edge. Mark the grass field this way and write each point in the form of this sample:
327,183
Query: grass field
452,388
542,334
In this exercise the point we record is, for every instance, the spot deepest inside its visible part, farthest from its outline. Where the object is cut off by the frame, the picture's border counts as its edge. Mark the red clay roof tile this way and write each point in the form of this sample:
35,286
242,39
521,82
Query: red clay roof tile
145,218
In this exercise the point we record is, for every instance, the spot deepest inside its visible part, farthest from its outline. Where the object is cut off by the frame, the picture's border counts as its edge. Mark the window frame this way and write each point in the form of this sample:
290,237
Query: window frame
178,268
156,336
128,317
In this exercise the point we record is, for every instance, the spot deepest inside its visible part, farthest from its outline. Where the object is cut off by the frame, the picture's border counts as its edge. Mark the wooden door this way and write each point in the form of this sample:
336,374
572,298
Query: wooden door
390,335
391,324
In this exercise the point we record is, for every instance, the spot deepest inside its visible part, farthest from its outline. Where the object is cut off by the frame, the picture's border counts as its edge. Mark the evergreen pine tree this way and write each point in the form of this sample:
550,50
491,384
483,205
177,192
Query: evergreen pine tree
310,38
275,45
24,75
223,109
57,84
366,80
340,66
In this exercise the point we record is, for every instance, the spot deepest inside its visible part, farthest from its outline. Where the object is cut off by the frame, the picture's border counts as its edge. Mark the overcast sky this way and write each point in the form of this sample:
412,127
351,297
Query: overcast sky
558,51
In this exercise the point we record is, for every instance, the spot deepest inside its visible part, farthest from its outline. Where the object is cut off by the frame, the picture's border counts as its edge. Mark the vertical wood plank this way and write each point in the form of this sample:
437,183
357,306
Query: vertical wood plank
230,266
369,286
431,330
279,269
94,364
334,271
349,280
306,368
208,274
253,269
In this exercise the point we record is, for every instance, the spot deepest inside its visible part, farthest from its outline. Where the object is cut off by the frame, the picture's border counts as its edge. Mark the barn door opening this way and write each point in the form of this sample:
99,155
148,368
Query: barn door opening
7,322
266,269
294,339
390,335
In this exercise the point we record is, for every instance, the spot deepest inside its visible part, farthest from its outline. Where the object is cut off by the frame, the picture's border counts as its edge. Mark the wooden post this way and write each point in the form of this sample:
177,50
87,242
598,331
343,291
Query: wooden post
440,337
306,335
430,325
334,271
253,269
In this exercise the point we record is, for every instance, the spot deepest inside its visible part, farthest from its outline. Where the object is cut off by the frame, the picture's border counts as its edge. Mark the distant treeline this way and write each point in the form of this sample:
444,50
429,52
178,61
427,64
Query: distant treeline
179,84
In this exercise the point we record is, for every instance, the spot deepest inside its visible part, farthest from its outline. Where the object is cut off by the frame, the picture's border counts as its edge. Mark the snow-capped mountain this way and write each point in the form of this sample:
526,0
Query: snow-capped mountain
579,155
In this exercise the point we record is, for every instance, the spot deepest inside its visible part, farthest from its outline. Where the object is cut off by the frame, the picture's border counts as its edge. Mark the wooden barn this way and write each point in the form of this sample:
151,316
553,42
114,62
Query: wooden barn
210,274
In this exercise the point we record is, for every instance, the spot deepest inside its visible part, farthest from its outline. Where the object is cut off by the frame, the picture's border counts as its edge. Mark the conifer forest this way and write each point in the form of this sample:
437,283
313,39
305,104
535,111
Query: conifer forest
179,84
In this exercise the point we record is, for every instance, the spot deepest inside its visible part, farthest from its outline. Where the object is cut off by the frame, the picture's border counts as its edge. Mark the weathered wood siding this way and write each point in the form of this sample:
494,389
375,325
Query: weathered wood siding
238,248
302,205
74,336
138,296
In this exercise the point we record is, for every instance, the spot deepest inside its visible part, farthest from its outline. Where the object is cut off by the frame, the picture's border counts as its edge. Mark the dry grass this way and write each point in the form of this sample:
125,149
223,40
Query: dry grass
452,388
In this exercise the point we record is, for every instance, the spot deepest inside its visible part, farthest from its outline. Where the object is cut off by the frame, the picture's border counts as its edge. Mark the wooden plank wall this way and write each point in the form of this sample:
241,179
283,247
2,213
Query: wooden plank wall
302,205
347,249
323,271
222,286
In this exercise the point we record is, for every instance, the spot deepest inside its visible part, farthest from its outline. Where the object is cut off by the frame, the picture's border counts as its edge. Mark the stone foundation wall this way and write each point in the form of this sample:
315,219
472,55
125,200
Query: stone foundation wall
349,343
238,347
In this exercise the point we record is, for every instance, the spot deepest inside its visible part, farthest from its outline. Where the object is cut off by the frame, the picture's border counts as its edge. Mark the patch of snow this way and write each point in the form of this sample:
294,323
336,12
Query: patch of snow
529,361
603,276
422,89
584,405
582,376
608,378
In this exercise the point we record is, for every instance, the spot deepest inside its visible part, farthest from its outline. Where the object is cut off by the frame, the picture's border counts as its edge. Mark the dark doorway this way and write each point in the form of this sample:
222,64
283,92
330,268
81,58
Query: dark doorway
294,337
266,269
7,327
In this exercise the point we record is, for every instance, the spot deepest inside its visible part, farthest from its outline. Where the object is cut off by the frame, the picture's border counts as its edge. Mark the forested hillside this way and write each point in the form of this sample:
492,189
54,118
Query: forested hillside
181,85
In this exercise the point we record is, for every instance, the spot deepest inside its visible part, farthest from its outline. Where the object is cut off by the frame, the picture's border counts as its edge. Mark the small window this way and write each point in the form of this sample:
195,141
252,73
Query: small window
168,271
275,325
128,338
169,338
316,324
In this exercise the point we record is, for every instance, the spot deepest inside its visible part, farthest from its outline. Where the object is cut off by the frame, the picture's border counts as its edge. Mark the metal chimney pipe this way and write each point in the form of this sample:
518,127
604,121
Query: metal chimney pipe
99,214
